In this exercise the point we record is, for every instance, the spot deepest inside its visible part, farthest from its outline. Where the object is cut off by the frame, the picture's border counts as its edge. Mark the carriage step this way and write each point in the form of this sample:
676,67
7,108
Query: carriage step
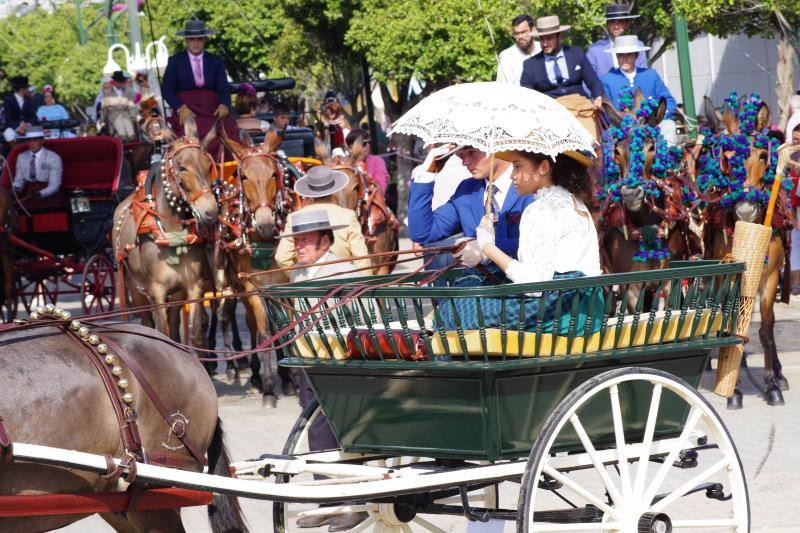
587,514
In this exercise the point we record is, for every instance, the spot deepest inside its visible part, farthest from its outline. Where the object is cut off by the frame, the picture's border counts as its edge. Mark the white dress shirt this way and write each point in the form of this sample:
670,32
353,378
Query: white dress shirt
562,65
509,68
20,100
559,236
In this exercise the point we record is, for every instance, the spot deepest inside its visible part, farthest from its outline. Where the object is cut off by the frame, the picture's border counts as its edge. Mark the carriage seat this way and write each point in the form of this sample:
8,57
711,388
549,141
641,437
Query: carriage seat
615,335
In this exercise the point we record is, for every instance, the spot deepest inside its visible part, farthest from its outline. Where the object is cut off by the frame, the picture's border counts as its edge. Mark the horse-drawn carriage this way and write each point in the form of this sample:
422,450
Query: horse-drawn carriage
62,246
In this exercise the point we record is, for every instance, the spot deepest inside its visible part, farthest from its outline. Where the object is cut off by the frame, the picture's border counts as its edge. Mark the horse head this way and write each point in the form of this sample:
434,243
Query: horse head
187,175
260,175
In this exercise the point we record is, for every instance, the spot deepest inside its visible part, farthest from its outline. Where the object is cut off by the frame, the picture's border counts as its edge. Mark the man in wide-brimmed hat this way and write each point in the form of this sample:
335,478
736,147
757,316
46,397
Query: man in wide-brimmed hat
626,49
19,106
318,186
618,21
38,171
196,84
560,71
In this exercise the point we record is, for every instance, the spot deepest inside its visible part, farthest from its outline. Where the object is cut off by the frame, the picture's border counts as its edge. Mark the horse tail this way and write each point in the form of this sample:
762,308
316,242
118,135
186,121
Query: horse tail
224,512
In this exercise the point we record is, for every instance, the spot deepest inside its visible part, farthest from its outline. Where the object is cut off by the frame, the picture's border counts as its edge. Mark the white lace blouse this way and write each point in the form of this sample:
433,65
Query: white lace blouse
556,234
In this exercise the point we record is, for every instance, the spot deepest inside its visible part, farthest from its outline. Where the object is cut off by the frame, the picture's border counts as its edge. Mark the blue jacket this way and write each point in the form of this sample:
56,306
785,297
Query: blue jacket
603,62
179,77
646,79
534,75
463,213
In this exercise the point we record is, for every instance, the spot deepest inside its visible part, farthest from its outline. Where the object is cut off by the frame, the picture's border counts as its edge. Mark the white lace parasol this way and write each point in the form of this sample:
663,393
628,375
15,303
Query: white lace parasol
495,117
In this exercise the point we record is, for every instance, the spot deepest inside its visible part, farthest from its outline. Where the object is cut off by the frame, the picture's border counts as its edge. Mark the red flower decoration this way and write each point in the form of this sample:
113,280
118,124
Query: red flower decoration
513,218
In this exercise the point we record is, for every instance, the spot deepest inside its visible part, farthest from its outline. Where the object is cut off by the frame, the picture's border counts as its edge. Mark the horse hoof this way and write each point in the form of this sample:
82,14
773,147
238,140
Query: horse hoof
289,389
774,397
782,383
735,402
269,401
231,373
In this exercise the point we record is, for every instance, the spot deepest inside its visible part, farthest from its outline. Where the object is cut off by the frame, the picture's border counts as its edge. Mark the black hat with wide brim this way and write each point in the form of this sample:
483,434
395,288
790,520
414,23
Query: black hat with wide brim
195,28
19,82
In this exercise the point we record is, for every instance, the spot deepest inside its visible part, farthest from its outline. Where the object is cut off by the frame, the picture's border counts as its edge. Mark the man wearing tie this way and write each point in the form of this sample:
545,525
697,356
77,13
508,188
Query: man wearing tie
560,71
196,85
19,106
37,180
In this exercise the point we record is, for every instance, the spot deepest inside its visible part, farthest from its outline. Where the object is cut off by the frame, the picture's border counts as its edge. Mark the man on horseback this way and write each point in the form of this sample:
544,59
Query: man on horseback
618,22
196,85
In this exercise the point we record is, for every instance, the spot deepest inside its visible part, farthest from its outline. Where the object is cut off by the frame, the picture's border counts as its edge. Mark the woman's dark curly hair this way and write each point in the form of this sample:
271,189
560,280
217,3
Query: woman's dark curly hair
567,173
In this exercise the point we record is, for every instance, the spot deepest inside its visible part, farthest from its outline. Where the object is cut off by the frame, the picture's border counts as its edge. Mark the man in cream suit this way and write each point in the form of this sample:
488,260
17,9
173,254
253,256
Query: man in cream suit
319,185
38,170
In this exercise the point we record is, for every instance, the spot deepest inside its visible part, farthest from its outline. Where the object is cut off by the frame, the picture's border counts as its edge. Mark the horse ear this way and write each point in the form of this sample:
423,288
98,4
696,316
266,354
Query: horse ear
762,118
212,133
712,115
233,146
321,150
611,112
638,99
190,128
730,120
247,140
271,142
657,116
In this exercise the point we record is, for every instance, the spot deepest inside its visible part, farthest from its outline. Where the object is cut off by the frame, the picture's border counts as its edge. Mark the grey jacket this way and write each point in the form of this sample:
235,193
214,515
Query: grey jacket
48,170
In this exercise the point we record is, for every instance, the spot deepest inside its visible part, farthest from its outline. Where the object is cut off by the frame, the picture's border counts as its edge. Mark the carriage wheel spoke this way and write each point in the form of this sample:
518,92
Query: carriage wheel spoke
580,490
619,433
427,525
373,518
696,524
405,528
598,464
689,485
694,416
647,441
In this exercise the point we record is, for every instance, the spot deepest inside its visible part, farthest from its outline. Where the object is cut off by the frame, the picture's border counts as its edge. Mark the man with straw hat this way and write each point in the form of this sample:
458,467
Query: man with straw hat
618,21
561,71
626,48
319,186
196,85
37,180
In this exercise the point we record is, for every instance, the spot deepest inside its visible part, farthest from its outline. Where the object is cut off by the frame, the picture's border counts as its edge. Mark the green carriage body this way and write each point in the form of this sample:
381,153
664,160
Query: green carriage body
469,400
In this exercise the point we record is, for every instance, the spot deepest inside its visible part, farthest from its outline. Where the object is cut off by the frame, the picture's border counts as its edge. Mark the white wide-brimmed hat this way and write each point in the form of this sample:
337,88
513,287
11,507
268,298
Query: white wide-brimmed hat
310,221
31,134
626,44
321,181
548,26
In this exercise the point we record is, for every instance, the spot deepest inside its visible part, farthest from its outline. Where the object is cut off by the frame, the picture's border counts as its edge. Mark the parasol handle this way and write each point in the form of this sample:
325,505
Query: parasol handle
784,158
490,191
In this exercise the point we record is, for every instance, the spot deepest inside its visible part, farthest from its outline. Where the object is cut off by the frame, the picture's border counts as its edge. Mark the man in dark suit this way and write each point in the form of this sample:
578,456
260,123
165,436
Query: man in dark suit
196,84
19,106
561,71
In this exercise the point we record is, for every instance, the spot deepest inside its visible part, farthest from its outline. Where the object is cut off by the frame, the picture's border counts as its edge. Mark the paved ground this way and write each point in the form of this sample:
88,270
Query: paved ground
767,438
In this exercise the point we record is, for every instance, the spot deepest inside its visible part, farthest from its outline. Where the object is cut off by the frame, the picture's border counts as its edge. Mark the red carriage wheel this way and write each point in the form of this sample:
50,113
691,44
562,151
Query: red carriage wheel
97,288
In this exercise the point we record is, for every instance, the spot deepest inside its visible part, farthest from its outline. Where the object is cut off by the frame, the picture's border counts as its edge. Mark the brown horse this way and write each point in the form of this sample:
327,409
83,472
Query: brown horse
719,241
248,219
53,395
639,216
159,231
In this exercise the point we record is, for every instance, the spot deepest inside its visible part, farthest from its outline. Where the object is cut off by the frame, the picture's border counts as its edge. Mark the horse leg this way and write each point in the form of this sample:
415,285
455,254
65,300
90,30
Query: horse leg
256,316
199,324
766,333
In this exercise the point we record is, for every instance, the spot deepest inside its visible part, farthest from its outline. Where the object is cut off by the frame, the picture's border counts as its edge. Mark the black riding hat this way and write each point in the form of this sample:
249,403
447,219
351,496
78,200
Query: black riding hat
195,28
619,12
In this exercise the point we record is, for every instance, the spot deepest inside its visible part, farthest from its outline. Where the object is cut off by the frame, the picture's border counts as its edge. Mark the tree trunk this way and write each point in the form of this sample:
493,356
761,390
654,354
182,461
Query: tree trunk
785,85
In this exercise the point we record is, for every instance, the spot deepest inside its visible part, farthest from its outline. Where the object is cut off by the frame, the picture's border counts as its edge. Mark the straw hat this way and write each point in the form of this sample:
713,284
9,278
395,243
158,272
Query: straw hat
584,159
548,26
32,133
310,221
321,181
626,44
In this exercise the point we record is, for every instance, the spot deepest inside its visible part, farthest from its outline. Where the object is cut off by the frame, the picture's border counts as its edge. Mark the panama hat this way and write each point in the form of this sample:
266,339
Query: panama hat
31,134
195,28
584,158
626,44
548,26
321,181
619,12
310,221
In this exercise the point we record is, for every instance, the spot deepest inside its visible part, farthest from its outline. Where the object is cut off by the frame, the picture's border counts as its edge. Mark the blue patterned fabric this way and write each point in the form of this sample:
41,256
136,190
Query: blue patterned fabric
464,312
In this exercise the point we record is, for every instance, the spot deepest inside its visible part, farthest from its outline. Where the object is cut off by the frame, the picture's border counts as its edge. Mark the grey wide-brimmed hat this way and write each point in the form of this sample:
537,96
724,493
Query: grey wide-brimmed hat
31,134
619,12
548,26
321,181
310,221
195,28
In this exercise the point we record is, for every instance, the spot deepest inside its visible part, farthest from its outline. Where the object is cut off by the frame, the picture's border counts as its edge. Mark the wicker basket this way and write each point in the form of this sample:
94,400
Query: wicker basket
750,244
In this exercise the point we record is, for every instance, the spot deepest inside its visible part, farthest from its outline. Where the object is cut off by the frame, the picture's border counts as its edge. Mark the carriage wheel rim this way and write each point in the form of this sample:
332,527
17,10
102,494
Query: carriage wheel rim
98,290
624,517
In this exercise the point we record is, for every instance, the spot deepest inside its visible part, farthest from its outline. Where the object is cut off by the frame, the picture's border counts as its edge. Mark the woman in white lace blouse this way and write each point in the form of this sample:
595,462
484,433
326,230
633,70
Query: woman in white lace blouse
557,233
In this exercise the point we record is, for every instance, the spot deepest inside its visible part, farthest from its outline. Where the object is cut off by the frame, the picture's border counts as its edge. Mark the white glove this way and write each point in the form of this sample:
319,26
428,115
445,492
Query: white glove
430,167
470,254
484,233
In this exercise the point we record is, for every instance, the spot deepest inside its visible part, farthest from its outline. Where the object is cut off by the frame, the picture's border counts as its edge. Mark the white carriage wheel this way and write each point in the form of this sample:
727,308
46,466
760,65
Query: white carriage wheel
635,502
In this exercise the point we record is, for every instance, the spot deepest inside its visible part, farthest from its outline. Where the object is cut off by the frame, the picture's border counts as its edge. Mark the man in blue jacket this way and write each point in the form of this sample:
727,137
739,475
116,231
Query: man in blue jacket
561,71
196,84
627,49
463,212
